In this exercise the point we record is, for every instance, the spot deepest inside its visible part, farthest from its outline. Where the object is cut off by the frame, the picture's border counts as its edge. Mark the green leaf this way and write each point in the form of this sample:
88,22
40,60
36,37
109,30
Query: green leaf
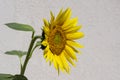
19,77
11,77
20,27
16,52
6,77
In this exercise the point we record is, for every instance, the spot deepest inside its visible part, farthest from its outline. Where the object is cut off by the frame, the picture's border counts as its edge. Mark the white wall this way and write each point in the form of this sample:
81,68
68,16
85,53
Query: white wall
101,24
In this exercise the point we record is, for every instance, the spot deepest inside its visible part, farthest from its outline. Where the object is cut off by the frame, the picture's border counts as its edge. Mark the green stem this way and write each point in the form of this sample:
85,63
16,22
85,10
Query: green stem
20,64
29,54
33,34
32,51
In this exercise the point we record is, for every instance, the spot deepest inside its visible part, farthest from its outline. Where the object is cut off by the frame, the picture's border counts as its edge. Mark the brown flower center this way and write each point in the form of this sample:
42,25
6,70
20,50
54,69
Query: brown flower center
56,40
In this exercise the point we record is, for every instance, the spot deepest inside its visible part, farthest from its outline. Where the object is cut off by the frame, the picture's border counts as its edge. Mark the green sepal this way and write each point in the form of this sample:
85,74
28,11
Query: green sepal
38,43
20,27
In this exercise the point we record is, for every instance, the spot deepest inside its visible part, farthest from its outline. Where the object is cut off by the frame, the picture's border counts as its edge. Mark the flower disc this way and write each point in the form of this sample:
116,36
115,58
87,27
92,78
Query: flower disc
57,40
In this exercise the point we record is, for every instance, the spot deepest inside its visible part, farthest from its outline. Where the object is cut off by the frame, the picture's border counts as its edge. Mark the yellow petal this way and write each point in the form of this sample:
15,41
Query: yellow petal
46,49
45,52
45,22
70,52
55,63
51,58
46,30
69,59
59,62
44,42
70,23
75,35
65,16
52,16
63,59
48,56
73,29
59,15
73,43
74,49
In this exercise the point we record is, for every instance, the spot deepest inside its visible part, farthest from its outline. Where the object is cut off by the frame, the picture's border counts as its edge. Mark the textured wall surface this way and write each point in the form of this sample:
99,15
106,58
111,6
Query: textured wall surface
100,59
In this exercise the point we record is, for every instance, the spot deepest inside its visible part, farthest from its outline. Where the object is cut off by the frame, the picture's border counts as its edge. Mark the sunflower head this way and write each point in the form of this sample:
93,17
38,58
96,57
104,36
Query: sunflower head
58,40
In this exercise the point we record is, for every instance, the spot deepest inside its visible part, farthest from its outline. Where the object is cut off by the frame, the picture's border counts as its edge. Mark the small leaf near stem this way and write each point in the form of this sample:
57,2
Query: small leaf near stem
16,53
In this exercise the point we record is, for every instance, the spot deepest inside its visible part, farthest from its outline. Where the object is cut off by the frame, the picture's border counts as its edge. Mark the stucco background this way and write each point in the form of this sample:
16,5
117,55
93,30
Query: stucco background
100,59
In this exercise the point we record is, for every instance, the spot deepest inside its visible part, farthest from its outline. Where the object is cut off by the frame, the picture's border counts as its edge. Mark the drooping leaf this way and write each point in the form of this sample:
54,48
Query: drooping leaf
16,52
6,77
20,27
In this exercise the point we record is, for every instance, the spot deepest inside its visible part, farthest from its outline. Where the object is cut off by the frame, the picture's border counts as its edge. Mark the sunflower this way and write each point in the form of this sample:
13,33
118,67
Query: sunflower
58,40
